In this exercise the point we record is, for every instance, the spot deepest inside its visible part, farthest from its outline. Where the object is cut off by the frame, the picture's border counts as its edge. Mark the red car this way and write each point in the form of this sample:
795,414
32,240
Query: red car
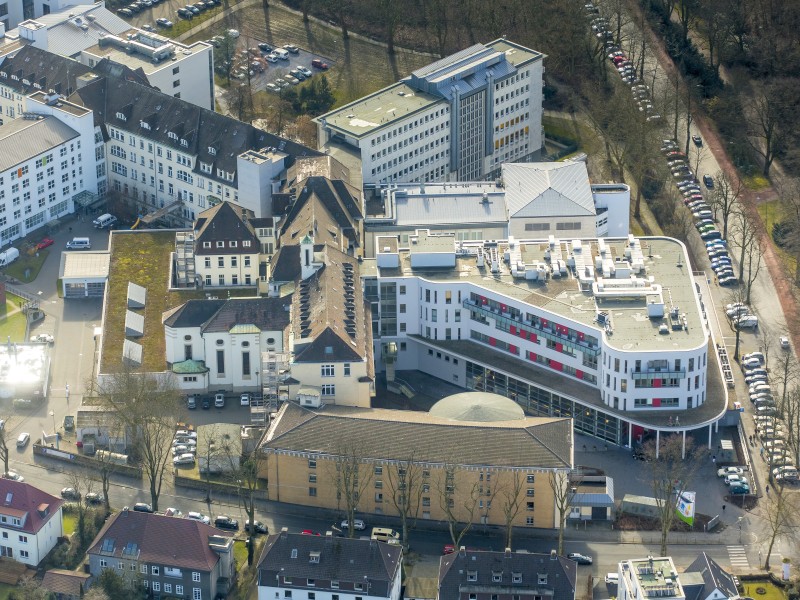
44,244
309,532
317,63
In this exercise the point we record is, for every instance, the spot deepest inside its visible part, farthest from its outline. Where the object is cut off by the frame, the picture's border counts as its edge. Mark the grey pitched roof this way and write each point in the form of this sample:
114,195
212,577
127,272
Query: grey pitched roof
286,264
162,540
344,560
548,189
202,129
268,314
714,577
224,223
455,570
22,139
533,442
194,313
43,68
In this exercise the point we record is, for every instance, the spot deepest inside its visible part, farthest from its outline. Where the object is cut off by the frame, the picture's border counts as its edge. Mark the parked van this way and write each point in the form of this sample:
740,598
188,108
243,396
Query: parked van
8,256
385,534
281,53
612,578
103,221
79,243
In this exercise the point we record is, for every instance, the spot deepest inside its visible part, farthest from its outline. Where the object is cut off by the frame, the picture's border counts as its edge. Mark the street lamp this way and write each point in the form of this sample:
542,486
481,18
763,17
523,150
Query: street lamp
739,520
53,414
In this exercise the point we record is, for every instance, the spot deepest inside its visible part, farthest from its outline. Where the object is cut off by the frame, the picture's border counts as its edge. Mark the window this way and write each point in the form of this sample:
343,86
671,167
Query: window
530,478
197,594
312,595
246,364
195,576
23,553
328,370
516,577
311,583
23,539
156,586
168,588
347,369
497,576
541,578
220,361
312,464
472,576
528,520
329,390
104,564
529,493
179,590
143,569
312,491
312,478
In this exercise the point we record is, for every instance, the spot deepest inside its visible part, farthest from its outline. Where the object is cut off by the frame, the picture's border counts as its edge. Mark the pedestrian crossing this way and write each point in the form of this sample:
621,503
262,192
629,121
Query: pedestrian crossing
738,558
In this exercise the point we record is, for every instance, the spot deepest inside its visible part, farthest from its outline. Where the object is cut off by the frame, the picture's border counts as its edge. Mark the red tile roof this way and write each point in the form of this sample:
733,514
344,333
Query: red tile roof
169,541
18,499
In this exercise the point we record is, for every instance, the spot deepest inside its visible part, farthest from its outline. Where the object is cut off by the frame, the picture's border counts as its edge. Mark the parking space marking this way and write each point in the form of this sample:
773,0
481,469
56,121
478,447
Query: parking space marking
738,558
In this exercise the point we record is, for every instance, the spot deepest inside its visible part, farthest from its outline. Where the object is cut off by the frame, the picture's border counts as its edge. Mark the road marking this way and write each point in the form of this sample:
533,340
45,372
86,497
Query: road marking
738,558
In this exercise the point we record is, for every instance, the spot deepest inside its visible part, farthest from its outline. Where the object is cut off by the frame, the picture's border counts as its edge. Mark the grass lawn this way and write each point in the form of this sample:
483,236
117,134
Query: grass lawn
12,321
773,591
756,182
5,590
70,523
26,261
771,213
240,553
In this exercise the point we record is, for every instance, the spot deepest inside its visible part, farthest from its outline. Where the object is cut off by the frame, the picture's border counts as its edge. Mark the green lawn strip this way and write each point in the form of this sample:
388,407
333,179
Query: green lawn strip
27,261
773,592
12,321
771,212
70,523
240,552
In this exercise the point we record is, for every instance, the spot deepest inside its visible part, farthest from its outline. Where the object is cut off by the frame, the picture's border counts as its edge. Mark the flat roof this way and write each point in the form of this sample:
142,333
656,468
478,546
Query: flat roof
61,104
665,275
22,139
379,110
85,265
137,60
515,54
655,575
448,204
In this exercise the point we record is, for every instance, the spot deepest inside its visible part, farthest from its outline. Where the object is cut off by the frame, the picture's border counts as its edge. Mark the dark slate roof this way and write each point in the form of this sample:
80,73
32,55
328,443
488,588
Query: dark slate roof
533,442
224,223
341,559
202,129
323,335
268,314
286,264
714,578
49,71
194,313
454,570
181,543
108,67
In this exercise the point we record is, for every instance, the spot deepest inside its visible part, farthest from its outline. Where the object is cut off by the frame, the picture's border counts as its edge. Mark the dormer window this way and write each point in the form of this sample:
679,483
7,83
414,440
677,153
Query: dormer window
220,244
144,125
184,143
541,578
172,135
472,576
121,116
206,244
3,74
246,243
313,557
15,78
516,577
497,576
234,243
212,151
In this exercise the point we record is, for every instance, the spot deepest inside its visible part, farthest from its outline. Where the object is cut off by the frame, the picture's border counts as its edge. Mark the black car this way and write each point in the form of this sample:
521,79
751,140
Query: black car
698,141
206,404
264,47
143,507
125,12
581,559
258,527
186,14
225,522
708,180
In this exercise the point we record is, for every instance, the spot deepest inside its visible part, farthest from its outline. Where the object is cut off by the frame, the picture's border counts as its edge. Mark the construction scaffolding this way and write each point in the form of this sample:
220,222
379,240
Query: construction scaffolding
184,260
274,373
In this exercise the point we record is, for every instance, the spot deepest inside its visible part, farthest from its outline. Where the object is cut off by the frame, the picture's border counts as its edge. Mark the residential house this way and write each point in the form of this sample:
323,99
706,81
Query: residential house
477,574
642,578
466,442
175,557
705,579
30,522
329,568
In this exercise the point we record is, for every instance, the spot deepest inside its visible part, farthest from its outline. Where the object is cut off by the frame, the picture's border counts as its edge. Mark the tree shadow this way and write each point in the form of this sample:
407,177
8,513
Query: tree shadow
393,65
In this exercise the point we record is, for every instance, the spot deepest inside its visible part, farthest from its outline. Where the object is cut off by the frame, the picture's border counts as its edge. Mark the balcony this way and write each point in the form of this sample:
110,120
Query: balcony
569,341
659,373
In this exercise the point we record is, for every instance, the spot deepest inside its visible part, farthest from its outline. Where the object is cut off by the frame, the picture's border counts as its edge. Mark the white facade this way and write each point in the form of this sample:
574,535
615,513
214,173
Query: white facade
433,126
25,547
613,204
40,185
270,592
644,578
228,270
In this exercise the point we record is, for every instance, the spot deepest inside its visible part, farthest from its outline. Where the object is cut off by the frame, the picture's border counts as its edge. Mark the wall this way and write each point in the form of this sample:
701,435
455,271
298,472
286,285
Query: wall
349,390
588,227
242,270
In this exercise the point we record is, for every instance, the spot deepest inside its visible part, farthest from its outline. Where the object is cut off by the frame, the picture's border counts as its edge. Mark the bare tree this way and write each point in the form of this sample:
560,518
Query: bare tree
725,199
789,193
780,507
210,448
81,482
737,296
458,500
562,498
247,479
671,471
511,500
404,478
791,417
146,405
352,477
771,119
4,445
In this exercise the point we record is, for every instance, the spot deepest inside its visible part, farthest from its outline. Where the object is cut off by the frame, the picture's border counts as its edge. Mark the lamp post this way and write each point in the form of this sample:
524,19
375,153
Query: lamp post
739,520
53,414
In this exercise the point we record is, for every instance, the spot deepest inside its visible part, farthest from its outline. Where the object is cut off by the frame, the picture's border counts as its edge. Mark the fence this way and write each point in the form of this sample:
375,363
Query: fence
88,461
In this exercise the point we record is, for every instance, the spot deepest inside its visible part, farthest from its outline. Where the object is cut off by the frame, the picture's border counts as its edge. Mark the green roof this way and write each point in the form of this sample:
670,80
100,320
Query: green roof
189,367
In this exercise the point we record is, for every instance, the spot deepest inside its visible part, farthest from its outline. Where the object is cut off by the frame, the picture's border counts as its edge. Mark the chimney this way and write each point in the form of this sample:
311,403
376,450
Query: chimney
553,555
284,533
462,551
508,553
328,537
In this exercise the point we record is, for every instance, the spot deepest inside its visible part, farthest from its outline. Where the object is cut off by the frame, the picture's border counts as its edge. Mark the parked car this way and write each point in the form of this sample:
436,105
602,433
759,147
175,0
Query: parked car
205,404
196,516
14,476
143,507
264,47
319,64
739,489
162,22
258,527
735,480
358,524
43,338
708,181
70,493
187,458
292,48
698,141
784,342
219,400
125,12
273,88
185,13
581,559
226,522
305,71
727,471
244,399
95,498
69,422
233,33
45,243
23,439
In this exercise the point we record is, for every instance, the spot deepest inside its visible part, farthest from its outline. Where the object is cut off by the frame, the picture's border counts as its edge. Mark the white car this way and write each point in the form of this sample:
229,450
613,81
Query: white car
244,400
233,33
186,434
13,475
196,516
273,88
358,524
305,71
735,480
43,338
183,459
272,57
784,340
23,439
726,471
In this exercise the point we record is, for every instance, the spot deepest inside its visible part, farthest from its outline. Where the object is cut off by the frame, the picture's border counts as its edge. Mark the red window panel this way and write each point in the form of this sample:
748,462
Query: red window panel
512,348
484,300
657,383
503,307
534,337
492,341
578,374
544,322
556,365
513,329
531,355
559,347
581,336
656,401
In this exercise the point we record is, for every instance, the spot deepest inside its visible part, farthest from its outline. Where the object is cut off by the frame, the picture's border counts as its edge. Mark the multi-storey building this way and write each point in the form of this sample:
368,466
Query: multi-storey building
649,577
47,160
608,331
329,568
30,522
459,118
472,452
170,556
528,199
471,574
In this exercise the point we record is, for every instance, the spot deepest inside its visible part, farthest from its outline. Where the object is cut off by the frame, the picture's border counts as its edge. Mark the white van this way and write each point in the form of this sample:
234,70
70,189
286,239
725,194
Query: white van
8,256
79,243
385,534
103,221
281,53
612,578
